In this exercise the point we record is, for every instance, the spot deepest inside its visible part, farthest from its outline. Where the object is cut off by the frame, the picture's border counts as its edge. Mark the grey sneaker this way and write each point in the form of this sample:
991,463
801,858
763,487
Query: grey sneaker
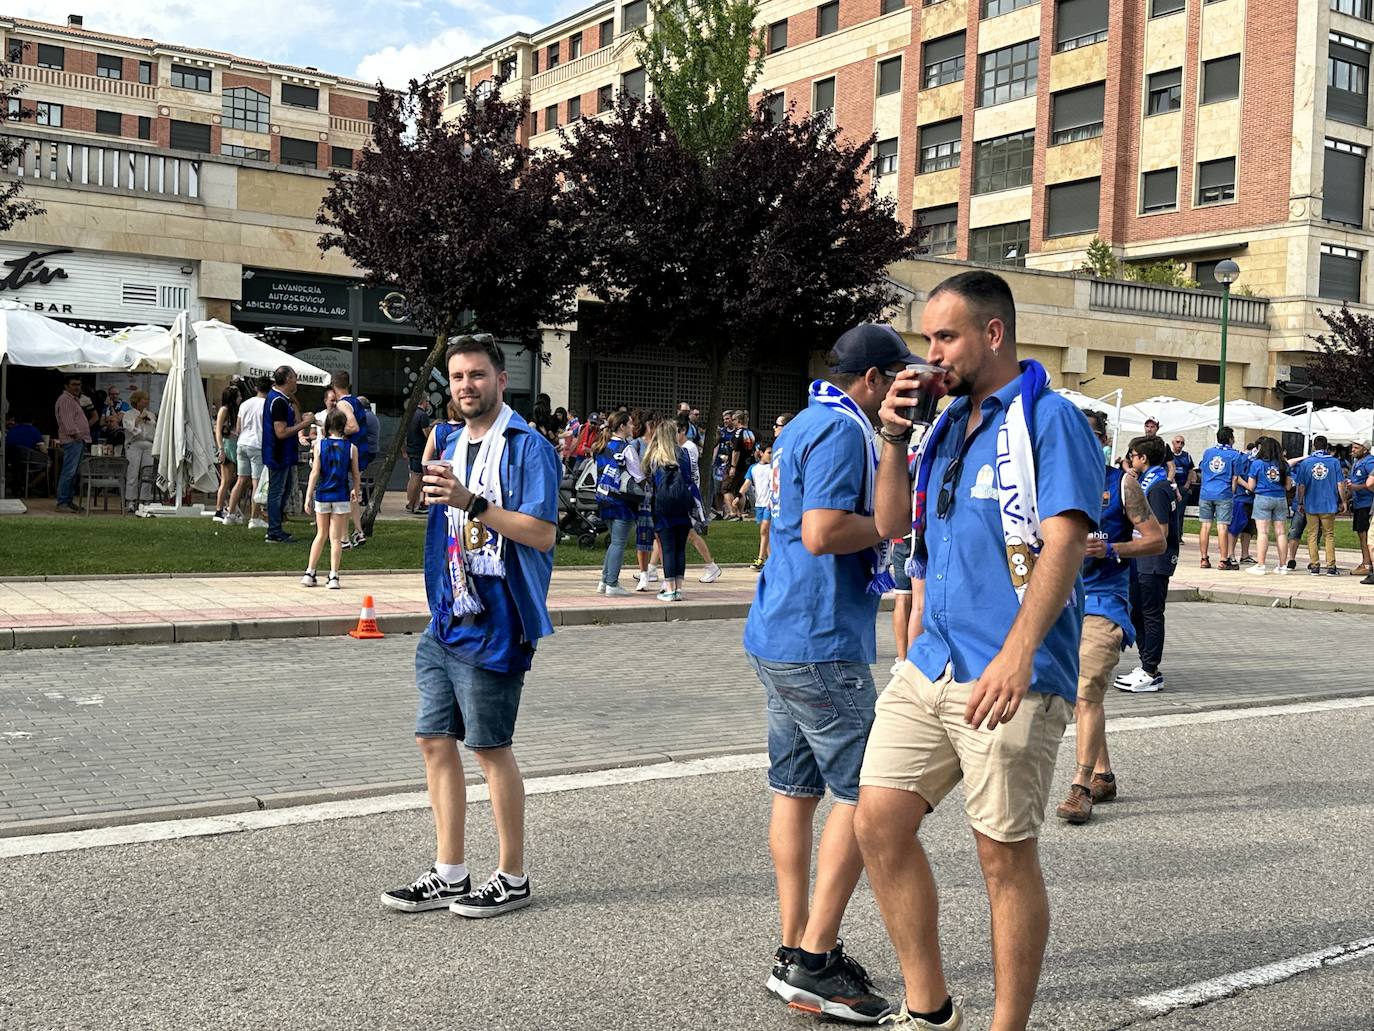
902,1019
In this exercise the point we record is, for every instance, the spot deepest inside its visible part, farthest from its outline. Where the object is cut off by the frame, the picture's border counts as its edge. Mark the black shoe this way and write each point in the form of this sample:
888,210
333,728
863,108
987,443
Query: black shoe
280,538
1314,570
1368,579
1332,571
421,510
782,959
430,891
495,897
841,989
1293,564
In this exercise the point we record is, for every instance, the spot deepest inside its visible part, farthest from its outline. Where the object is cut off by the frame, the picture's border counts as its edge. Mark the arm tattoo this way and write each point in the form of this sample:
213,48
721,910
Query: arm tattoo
1133,498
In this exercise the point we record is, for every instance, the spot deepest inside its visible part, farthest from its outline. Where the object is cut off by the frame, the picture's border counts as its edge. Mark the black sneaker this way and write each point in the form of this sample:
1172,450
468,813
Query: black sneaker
430,891
280,538
1314,570
841,989
1368,579
421,510
1293,563
782,959
495,897
1332,571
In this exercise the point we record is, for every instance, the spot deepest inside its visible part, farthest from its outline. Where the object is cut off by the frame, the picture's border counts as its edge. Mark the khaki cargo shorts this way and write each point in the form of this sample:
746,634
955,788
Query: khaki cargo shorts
920,743
1098,655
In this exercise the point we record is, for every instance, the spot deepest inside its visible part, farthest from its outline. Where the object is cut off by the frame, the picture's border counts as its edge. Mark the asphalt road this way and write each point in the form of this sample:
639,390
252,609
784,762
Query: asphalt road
1235,844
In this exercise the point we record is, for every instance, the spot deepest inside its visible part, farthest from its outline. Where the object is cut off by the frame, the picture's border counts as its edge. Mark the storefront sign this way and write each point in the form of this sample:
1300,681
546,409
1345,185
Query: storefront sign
32,269
287,296
96,286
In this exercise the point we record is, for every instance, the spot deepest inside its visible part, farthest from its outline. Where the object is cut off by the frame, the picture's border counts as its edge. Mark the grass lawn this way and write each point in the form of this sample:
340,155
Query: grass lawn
36,545
1345,536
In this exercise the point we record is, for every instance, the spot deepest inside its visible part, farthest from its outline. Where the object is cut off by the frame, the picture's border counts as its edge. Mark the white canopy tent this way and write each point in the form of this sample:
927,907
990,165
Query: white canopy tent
222,350
1084,403
184,441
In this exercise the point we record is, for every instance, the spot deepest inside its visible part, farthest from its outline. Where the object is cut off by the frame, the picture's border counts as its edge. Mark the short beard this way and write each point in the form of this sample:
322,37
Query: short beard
486,408
960,388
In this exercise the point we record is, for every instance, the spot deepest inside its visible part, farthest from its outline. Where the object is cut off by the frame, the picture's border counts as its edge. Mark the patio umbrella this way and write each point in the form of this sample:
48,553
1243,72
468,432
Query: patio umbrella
184,442
223,350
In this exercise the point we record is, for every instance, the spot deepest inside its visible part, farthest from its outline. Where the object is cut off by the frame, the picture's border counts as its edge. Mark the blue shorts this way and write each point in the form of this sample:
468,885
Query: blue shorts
819,715
1273,507
1218,510
474,705
762,514
901,551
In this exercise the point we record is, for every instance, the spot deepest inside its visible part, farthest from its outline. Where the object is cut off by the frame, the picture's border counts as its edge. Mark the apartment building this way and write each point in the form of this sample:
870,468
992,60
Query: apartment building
1017,130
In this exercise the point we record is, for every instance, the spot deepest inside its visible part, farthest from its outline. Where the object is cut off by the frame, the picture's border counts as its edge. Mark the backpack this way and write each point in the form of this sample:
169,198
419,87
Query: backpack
672,498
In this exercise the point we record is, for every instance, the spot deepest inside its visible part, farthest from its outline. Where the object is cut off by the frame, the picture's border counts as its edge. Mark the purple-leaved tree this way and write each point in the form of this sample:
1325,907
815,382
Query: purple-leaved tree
1344,365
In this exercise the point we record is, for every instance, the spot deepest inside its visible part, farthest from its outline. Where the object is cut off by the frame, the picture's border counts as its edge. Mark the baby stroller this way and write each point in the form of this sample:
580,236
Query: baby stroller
577,508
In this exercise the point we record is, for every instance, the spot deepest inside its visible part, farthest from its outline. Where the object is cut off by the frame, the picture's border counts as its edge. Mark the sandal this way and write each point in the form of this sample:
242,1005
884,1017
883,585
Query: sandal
1206,563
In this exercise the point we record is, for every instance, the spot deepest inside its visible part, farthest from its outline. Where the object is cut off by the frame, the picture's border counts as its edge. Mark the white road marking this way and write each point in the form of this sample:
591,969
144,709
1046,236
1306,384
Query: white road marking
163,830
1224,987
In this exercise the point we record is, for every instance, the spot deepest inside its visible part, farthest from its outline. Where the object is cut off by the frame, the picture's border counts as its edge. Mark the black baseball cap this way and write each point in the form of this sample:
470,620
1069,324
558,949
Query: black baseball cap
869,346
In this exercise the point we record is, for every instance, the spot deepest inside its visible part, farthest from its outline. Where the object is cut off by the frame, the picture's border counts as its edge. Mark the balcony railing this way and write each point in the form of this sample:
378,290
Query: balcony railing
73,80
599,58
357,126
92,166
1171,302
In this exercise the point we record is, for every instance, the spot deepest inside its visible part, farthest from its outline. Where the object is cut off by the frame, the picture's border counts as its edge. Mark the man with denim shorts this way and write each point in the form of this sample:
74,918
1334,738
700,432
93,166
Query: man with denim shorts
1360,499
811,638
493,497
1216,498
1014,479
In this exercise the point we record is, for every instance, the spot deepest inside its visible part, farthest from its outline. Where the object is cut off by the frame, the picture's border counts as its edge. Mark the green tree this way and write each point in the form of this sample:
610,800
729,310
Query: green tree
13,207
1100,261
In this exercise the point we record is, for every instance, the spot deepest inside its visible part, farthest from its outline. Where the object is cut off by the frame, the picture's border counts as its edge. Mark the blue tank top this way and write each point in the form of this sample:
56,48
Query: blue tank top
359,439
1107,581
336,470
277,454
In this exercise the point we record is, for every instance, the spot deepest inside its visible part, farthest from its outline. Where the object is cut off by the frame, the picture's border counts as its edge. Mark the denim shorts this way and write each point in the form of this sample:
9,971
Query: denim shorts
249,461
474,705
1218,510
819,715
763,514
901,551
1270,506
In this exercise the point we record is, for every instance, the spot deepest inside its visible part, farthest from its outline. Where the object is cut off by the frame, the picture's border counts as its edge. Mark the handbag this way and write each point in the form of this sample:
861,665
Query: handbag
260,495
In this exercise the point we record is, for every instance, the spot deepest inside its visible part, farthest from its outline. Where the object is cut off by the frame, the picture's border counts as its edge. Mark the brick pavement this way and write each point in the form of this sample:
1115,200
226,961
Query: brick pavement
105,732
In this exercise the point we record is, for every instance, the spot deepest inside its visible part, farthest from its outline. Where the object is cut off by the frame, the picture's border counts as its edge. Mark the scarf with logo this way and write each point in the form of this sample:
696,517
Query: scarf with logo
488,558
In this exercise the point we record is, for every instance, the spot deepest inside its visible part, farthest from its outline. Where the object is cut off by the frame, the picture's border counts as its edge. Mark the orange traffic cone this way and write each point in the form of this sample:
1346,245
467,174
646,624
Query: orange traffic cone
367,623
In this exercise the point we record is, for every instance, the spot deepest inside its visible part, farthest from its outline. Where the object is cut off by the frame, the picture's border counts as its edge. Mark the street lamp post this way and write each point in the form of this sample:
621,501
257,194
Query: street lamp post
1227,272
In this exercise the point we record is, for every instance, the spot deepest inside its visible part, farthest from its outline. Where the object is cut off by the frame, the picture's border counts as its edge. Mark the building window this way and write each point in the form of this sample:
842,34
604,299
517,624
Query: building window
1071,208
534,62
1078,113
108,66
233,150
992,8
942,225
828,18
574,108
889,76
1221,79
1165,92
190,136
245,108
1357,8
551,118
456,88
634,15
1216,181
1159,190
299,153
1115,365
1342,269
605,98
942,61
1008,74
634,84
145,127
186,77
555,52
14,111
51,57
534,123
14,50
776,106
891,6
1347,79
777,36
1080,23
1162,7
940,145
608,32
48,114
574,46
1343,183
1003,163
371,110
145,72
300,96
108,122
340,157
1205,272
1209,373
1163,370
1000,245
885,159
823,96
505,71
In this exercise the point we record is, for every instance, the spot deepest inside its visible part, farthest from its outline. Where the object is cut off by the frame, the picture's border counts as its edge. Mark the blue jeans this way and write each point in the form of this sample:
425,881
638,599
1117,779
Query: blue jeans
819,716
277,480
71,465
621,529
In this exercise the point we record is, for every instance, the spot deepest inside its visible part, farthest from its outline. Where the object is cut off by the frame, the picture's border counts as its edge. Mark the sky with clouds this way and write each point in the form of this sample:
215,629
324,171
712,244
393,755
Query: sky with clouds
391,40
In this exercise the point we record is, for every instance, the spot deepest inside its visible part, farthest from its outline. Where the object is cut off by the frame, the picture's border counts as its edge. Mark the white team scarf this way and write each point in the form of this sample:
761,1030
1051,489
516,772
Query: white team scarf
837,400
488,559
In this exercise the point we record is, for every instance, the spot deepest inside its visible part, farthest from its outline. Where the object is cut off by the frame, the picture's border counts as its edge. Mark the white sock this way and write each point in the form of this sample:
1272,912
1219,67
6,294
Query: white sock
512,879
451,872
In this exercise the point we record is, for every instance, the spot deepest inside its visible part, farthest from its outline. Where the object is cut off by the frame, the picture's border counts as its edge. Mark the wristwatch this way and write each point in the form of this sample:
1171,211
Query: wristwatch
476,506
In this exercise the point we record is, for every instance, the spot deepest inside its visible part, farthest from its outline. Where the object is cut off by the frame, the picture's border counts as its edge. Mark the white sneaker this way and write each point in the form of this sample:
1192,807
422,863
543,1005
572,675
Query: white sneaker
1281,569
644,582
897,666
1132,677
600,587
1148,685
616,591
711,575
234,519
652,573
1257,570
333,582
309,580
218,517
257,524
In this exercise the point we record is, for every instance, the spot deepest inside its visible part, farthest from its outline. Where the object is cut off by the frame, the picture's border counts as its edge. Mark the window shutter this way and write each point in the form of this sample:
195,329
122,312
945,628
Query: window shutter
1160,190
190,136
938,216
1343,187
1221,79
1078,18
1073,208
941,132
1340,277
1211,174
938,50
1078,107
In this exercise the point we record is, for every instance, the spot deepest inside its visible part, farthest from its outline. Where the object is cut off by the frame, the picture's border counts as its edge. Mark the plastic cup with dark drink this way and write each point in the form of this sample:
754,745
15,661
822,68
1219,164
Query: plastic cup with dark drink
930,379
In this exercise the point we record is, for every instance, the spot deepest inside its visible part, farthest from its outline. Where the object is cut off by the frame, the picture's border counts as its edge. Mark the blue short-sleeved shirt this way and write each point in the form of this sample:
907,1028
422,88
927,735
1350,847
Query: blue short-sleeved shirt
1219,464
1361,496
970,603
814,608
515,616
1268,478
1320,473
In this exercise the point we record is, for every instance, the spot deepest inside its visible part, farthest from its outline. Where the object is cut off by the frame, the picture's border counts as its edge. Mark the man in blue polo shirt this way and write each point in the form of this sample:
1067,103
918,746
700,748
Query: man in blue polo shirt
1008,486
1360,499
1319,478
811,639
493,513
1219,468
